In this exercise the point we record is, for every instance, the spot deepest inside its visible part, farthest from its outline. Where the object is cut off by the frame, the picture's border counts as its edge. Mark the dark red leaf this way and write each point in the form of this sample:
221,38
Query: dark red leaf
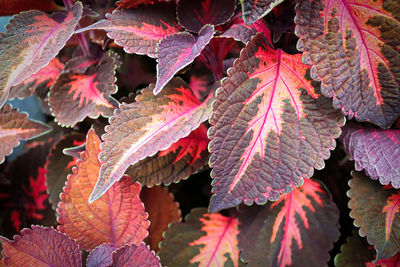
134,3
256,9
11,7
135,256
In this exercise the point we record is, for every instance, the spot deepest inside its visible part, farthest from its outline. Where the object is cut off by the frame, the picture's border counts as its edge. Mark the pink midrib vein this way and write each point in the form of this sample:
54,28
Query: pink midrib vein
389,218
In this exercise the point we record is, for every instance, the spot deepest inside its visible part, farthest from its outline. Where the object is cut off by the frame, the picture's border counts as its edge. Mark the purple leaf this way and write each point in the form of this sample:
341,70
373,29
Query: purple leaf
135,256
101,256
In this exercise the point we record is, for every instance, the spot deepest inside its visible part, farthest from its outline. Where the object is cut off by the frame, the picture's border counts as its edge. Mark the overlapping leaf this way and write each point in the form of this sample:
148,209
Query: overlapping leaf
291,231
353,46
375,150
59,165
134,3
76,95
101,256
41,246
270,128
204,239
162,210
255,9
38,83
177,51
15,126
32,39
139,30
143,128
193,15
179,161
375,209
135,256
11,7
117,218
354,252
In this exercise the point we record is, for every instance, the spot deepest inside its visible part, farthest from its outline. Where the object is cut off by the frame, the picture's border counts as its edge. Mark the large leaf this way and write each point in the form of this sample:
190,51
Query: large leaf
375,209
58,166
11,7
76,95
179,161
38,83
270,128
135,256
139,30
15,126
32,39
41,247
193,15
117,218
375,150
162,210
291,231
204,239
255,9
143,128
353,46
177,51
101,256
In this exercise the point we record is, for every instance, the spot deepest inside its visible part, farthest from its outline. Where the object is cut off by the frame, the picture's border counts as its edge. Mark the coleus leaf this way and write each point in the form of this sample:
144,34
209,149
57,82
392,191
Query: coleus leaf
58,166
138,30
162,210
375,150
391,262
291,231
101,256
355,252
117,218
204,239
134,3
15,126
375,209
193,15
39,82
353,48
41,246
186,48
32,39
270,128
182,159
76,95
11,7
253,10
143,128
135,256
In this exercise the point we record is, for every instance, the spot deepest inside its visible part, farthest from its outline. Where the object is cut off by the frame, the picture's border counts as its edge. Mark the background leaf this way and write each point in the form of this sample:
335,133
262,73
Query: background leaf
11,7
253,10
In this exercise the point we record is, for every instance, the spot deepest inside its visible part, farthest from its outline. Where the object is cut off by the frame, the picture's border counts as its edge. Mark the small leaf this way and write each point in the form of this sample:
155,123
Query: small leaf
135,256
39,83
193,15
353,47
162,210
75,95
117,218
32,39
15,126
58,166
139,30
291,231
143,128
182,159
204,239
101,256
375,210
11,7
41,246
186,48
270,128
375,150
253,10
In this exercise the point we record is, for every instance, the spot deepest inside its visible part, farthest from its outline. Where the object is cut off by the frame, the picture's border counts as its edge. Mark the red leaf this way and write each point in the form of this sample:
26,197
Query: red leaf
32,39
76,94
186,48
15,126
291,231
117,218
143,128
193,15
135,256
134,3
374,150
256,9
391,262
203,239
139,30
11,7
353,47
41,246
39,83
267,134
38,192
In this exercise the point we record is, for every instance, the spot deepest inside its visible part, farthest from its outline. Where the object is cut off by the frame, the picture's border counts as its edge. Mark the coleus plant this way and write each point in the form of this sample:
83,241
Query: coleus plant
253,94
